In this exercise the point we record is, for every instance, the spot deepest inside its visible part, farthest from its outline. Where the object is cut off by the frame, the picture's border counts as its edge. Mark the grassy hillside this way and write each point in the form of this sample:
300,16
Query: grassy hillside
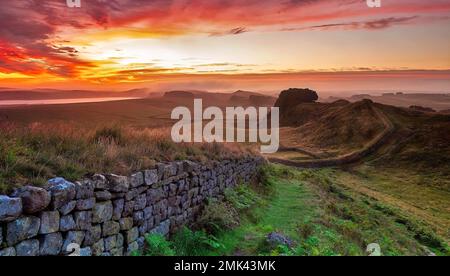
409,171
336,127
420,139
435,101
423,196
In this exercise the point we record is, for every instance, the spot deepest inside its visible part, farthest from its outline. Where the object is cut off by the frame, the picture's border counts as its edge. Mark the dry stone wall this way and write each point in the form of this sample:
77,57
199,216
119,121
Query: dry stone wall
109,215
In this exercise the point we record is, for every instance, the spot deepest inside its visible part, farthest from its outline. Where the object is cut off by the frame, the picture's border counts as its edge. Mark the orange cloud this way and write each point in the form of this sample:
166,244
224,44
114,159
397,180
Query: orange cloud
36,36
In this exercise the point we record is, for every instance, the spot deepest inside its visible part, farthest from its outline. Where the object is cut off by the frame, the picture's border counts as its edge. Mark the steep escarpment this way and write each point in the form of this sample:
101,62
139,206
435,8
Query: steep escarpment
340,125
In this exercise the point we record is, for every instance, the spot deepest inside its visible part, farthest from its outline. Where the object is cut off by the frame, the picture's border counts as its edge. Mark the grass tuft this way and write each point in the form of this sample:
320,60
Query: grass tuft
32,154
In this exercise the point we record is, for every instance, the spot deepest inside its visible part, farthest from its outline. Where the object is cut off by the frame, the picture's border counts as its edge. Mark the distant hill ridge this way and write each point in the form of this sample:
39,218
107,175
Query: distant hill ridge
436,101
48,94
342,127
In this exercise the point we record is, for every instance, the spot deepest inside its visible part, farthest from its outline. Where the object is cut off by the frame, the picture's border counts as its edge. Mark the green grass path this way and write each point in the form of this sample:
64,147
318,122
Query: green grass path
280,212
324,218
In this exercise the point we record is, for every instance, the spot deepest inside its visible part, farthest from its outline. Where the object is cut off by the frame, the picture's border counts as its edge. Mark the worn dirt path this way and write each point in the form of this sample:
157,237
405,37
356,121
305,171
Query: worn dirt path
349,158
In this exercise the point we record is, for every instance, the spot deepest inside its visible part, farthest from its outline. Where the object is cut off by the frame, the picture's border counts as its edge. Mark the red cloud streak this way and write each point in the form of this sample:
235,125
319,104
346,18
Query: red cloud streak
30,29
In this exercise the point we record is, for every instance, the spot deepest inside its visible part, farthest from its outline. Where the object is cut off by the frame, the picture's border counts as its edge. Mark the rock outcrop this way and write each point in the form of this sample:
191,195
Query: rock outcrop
294,96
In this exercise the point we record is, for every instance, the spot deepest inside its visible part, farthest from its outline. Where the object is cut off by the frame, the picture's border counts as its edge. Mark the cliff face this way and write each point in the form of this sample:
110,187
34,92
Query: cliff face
110,214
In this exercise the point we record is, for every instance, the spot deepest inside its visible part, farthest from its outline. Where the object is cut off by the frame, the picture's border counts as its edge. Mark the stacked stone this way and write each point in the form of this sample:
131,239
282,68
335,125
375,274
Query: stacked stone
109,215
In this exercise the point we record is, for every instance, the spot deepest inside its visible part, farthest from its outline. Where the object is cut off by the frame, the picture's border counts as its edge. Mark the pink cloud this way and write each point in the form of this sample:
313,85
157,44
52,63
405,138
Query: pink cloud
31,28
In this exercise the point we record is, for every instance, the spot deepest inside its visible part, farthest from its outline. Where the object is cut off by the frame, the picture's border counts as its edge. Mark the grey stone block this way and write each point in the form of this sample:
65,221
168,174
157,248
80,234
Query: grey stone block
28,248
154,195
100,182
148,212
93,235
131,235
8,252
110,243
62,191
49,222
132,247
98,248
128,208
75,237
162,229
84,189
102,212
85,204
151,177
67,223
34,199
103,195
51,244
131,194
120,240
143,229
10,208
22,229
118,206
117,252
110,228
83,220
138,218
118,183
140,202
141,242
126,223
68,207
137,180
85,252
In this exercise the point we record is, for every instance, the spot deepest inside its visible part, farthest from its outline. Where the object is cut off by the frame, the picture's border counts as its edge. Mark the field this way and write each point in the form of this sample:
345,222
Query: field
421,196
134,113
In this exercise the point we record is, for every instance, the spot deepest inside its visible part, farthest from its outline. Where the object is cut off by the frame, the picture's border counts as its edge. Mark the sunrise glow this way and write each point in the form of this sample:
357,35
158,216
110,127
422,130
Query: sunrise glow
108,44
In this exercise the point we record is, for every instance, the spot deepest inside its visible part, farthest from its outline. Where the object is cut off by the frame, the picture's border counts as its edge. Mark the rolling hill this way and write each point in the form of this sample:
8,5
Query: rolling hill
48,94
341,127
435,101
398,157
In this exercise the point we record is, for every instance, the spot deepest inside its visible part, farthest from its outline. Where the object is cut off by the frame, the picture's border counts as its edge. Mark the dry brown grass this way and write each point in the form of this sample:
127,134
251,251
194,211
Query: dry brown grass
31,154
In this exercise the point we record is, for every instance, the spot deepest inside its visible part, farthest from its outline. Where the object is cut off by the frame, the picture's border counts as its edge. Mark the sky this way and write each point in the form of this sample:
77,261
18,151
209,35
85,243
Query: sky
225,45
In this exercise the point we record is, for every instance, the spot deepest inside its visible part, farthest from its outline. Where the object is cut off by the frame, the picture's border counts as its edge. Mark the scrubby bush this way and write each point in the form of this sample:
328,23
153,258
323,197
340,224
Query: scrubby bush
157,245
225,215
112,134
184,243
218,216
194,243
268,174
242,197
